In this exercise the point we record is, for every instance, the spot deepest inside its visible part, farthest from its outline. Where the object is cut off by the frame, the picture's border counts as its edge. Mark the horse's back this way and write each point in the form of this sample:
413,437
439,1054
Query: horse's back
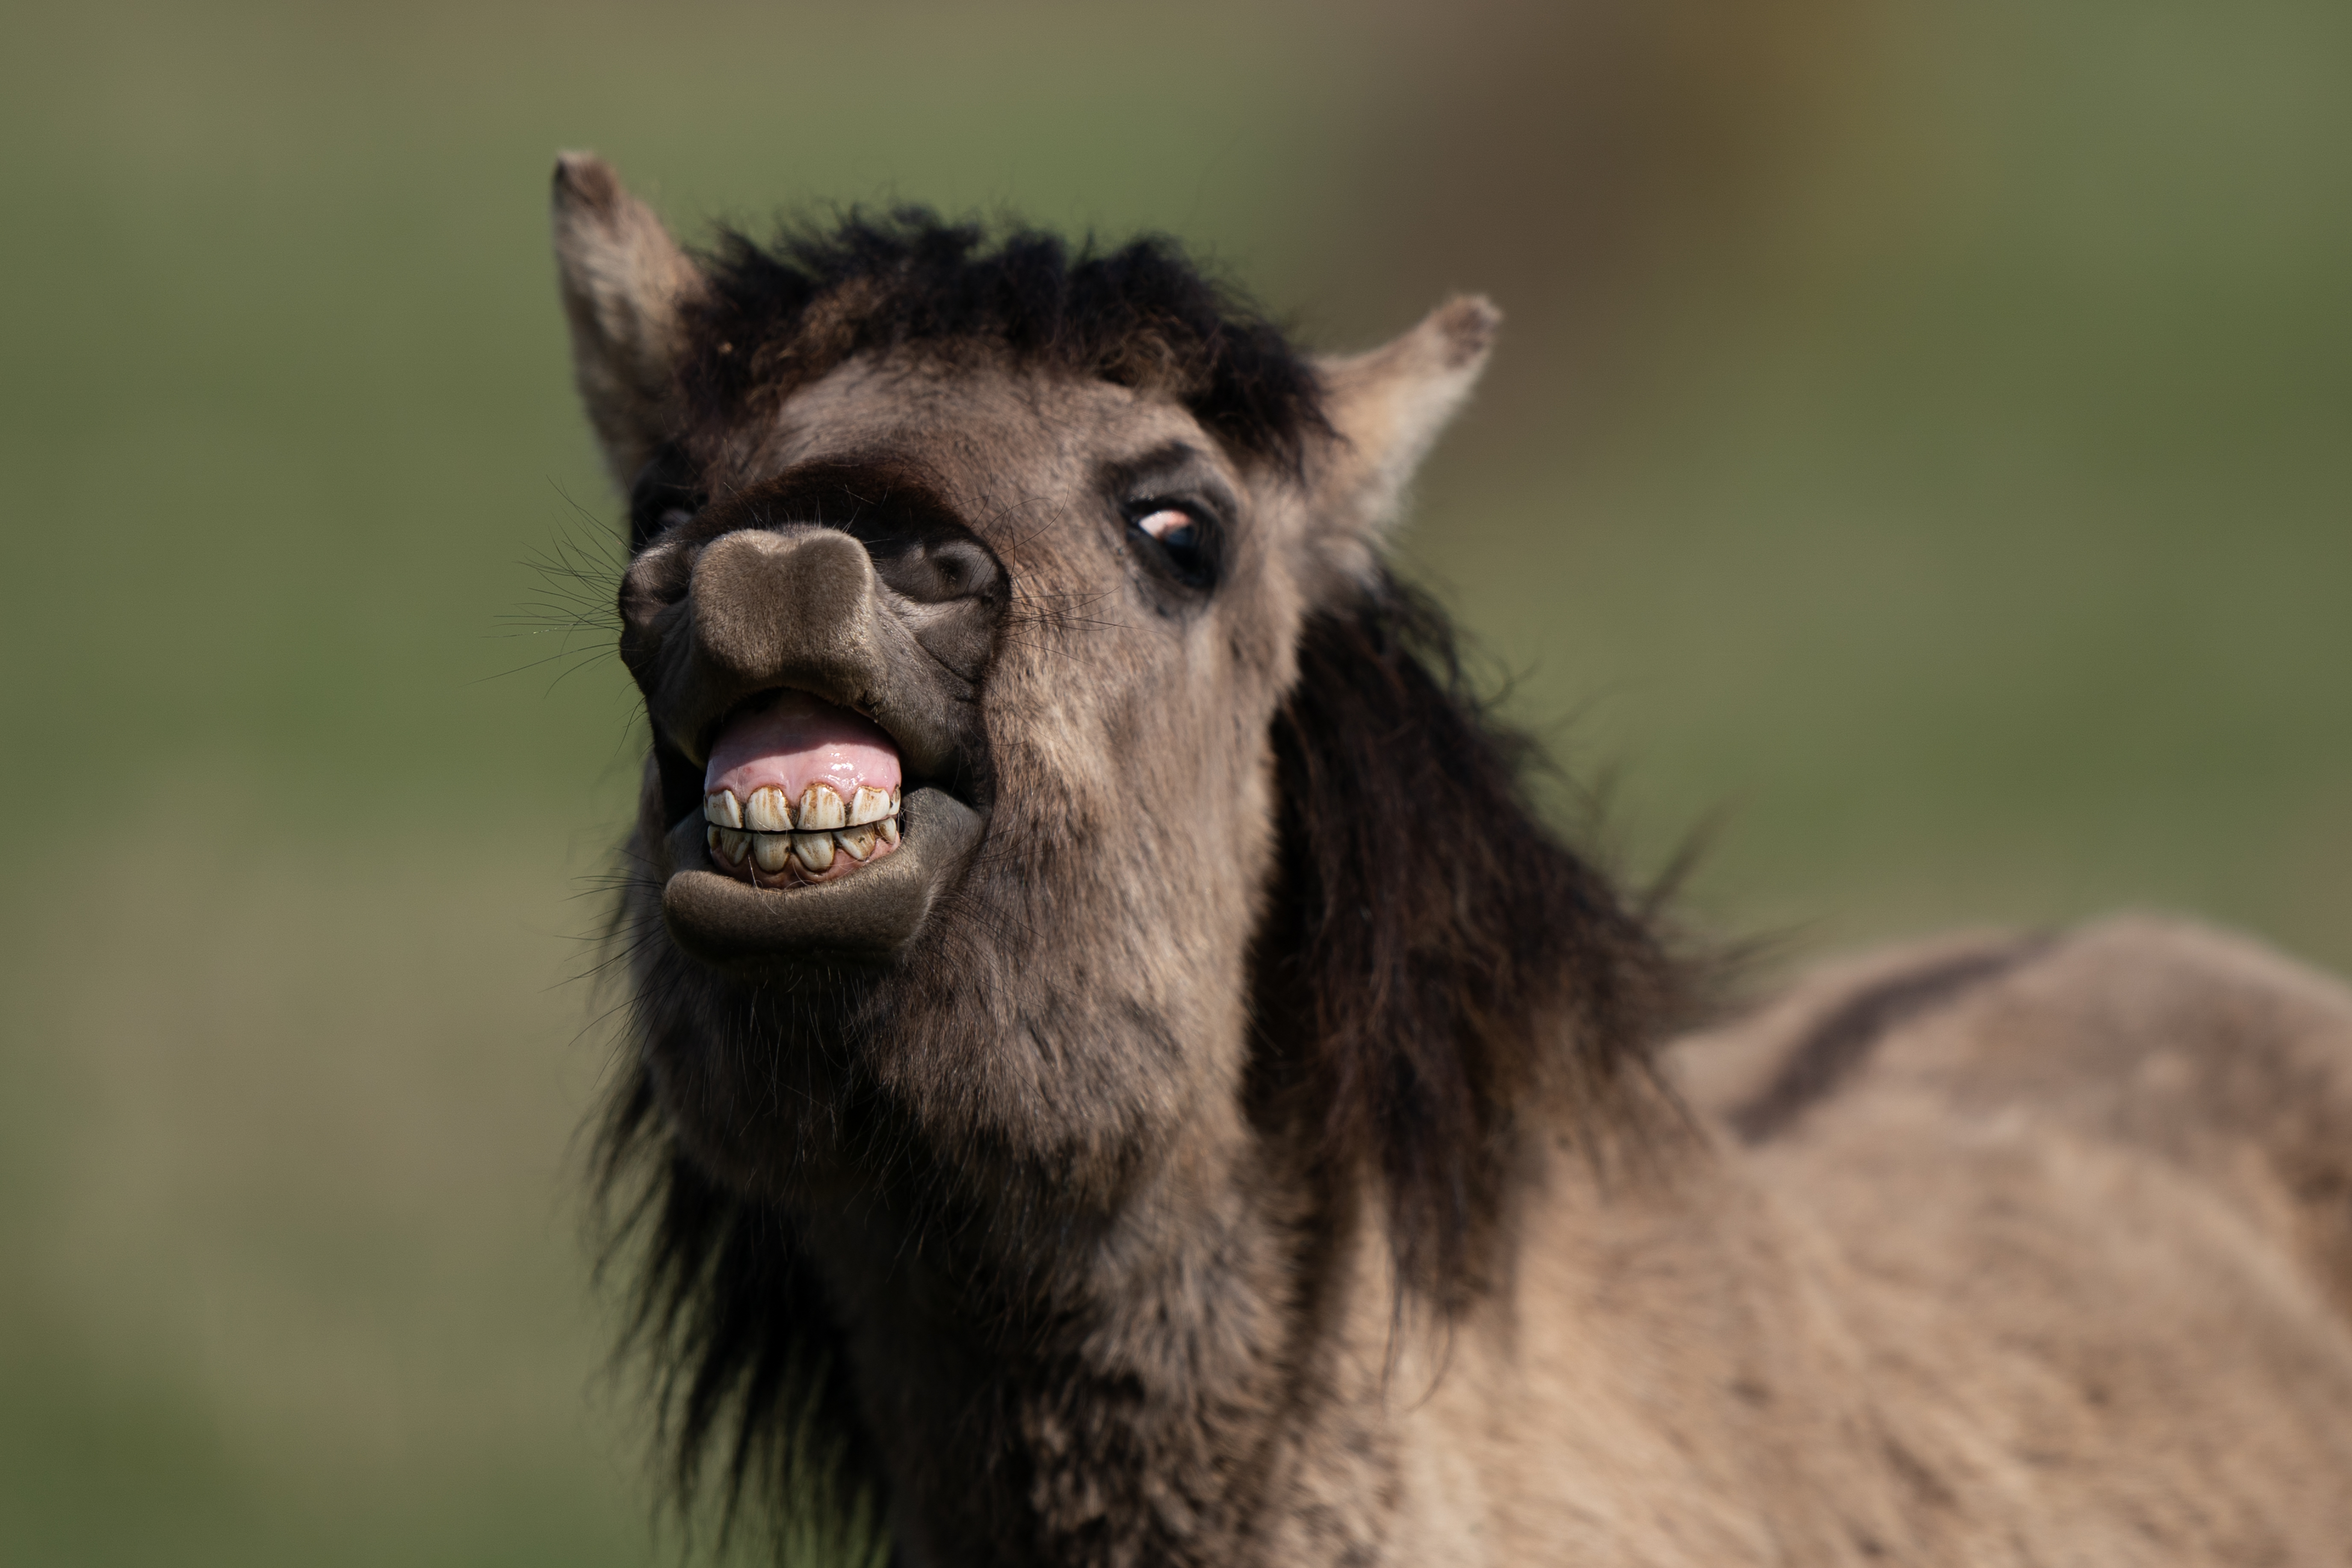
2207,1052
2091,1198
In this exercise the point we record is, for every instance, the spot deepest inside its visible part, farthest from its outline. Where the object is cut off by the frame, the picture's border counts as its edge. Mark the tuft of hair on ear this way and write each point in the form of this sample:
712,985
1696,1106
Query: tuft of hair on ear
625,283
1438,970
743,1356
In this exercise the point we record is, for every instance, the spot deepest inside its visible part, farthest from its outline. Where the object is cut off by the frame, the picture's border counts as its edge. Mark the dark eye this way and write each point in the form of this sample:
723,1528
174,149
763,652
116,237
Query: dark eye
1182,535
1172,525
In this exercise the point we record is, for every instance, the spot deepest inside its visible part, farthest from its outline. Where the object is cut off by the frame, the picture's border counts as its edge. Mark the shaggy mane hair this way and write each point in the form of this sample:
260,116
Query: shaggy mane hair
1414,1010
777,317
734,1322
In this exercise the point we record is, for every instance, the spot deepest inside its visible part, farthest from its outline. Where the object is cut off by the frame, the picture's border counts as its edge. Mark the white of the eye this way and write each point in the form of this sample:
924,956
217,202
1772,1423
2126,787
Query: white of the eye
1168,520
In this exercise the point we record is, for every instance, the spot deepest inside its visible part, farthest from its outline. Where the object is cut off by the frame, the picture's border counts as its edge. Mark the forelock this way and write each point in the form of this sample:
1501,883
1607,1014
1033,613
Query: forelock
779,316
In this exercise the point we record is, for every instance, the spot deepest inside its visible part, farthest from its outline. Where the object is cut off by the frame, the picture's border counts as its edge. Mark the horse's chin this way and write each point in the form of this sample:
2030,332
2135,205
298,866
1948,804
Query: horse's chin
868,917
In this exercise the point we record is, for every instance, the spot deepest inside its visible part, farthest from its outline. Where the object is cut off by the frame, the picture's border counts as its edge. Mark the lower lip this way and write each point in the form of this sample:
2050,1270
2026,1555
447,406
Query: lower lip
866,917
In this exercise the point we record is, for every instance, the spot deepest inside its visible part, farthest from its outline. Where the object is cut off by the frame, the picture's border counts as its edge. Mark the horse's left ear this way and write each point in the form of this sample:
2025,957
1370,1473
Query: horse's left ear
626,285
1386,408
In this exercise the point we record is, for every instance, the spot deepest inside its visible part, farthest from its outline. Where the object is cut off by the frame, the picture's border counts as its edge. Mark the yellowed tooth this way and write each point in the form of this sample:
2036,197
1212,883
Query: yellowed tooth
814,850
894,801
821,809
869,805
774,851
721,807
887,830
769,810
858,841
727,844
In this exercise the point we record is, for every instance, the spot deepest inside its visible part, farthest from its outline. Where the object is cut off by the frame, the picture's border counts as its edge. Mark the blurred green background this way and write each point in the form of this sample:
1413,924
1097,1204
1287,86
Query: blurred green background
1919,448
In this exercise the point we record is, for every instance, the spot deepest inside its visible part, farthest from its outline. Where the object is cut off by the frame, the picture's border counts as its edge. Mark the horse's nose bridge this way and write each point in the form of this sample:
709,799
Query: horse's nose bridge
785,606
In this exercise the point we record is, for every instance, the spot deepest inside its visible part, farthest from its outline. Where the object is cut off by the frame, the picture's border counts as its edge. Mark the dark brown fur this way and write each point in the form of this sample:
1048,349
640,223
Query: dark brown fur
1408,1010
778,317
1835,1048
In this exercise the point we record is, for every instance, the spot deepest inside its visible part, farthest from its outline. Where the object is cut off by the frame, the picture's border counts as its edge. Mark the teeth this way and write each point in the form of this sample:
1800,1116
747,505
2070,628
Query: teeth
770,811
814,850
762,830
821,809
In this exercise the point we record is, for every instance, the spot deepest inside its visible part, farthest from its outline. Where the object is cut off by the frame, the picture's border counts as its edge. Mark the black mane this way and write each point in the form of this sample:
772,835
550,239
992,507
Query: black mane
1419,1012
778,315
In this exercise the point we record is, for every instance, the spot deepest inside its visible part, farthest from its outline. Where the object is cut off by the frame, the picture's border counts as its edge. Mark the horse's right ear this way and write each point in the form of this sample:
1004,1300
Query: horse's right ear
626,285
1386,408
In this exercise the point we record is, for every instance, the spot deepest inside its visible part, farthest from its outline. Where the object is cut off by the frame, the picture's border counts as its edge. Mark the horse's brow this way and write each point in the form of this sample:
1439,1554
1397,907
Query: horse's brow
1176,453
876,481
1171,462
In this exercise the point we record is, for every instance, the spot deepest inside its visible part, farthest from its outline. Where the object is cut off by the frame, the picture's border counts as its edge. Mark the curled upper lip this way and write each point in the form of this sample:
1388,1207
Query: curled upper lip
707,738
928,758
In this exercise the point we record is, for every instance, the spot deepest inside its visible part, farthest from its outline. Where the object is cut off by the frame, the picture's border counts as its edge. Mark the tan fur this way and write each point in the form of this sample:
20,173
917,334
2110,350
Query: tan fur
2082,1228
1391,404
2057,1278
1987,1251
623,282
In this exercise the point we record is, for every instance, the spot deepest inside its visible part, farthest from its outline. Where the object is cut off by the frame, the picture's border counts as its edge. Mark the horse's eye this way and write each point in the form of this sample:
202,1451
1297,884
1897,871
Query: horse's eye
1183,540
1173,526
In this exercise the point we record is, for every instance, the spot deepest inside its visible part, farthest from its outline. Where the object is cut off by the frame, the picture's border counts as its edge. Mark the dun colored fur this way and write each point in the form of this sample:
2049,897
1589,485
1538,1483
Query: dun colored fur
1234,1130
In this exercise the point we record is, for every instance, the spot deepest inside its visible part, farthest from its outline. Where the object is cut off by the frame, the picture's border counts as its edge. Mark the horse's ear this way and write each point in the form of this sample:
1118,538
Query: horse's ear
1386,408
625,287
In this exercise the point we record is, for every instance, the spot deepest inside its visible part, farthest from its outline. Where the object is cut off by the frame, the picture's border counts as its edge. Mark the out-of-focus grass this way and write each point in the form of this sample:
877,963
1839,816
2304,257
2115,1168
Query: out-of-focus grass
1921,434
1979,545
290,1277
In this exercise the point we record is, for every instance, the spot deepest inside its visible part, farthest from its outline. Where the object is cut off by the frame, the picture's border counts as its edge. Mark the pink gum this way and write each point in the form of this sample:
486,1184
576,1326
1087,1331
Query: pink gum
797,742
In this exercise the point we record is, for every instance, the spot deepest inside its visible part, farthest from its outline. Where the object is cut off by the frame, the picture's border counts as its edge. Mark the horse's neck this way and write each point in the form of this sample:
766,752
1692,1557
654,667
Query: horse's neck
1128,1402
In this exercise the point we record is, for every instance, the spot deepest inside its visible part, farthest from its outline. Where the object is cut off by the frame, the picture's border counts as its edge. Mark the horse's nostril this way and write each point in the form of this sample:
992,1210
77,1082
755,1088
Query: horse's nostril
959,569
655,580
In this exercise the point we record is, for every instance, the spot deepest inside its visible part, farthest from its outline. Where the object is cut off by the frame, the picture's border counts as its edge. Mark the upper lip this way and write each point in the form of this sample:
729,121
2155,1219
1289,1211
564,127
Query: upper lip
912,776
708,737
